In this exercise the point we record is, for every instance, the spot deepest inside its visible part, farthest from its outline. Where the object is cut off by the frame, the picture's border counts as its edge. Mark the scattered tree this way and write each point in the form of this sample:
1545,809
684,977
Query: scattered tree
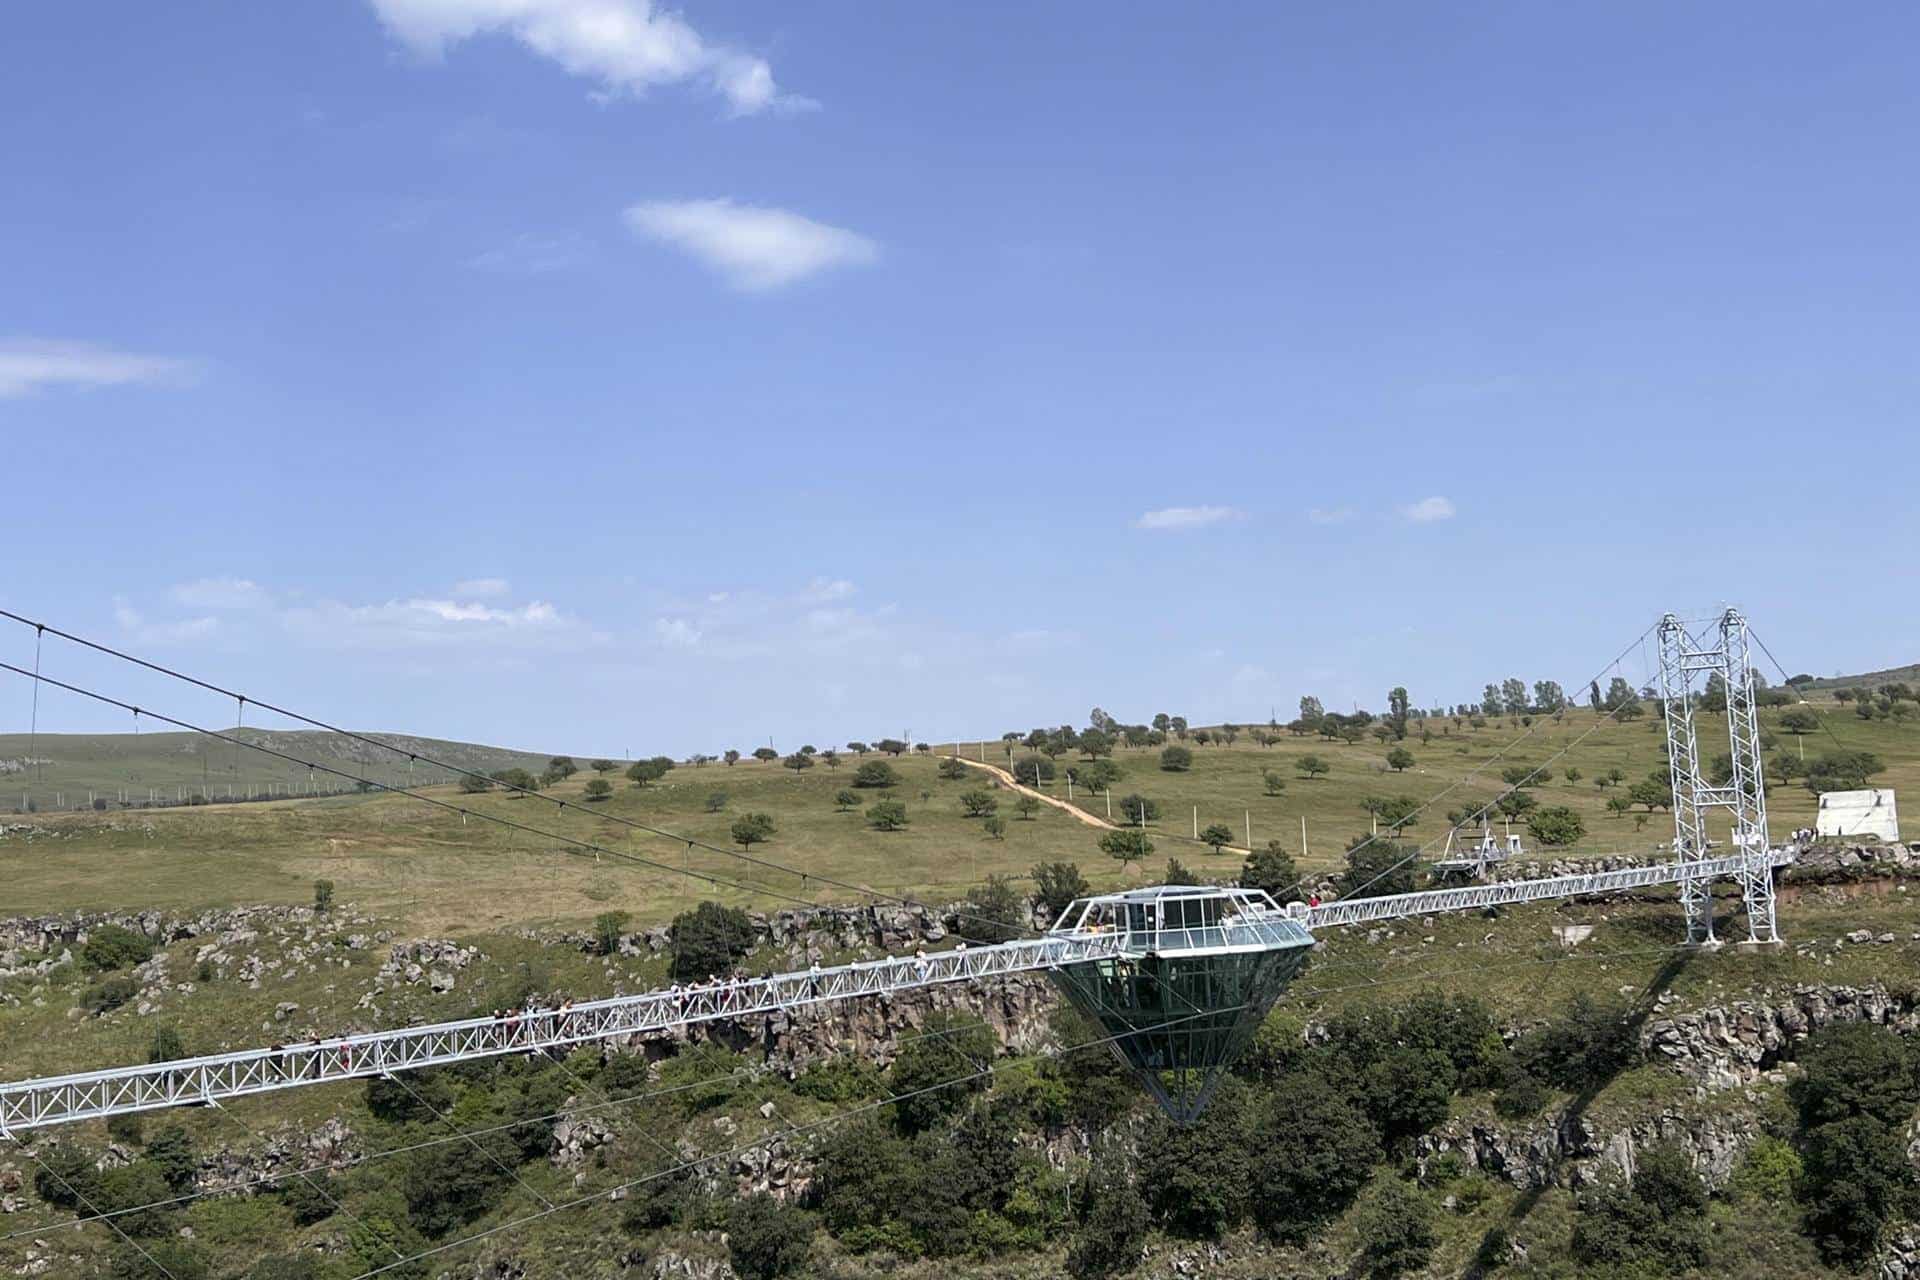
843,799
1056,885
875,774
708,940
323,896
597,789
1127,845
1400,759
1311,766
1556,826
752,828
607,928
978,803
1216,836
1271,782
765,755
887,815
1271,870
1026,806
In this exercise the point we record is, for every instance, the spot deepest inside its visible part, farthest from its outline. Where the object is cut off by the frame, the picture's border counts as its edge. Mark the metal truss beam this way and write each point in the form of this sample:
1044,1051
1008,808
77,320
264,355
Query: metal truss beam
34,1104
1433,901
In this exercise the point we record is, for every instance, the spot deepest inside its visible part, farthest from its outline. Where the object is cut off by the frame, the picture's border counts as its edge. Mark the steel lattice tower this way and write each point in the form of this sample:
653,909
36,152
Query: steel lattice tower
1720,650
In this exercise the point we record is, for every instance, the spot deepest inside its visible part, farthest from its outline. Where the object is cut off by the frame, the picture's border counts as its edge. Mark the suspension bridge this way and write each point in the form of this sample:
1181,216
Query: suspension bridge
1178,977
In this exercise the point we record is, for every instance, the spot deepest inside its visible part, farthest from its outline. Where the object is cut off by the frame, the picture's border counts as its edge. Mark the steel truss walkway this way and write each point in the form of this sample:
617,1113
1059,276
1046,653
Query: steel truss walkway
1252,924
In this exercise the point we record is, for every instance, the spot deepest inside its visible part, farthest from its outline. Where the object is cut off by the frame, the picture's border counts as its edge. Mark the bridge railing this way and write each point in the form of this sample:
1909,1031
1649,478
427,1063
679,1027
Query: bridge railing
1472,897
32,1104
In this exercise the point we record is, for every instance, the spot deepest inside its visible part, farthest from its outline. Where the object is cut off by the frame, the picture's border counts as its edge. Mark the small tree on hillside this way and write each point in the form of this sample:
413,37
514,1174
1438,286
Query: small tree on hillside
323,896
887,815
603,766
708,940
1176,759
875,774
1555,826
765,754
844,799
1026,806
1399,759
951,770
1271,782
1216,836
731,756
978,803
1311,767
1127,845
798,760
607,928
597,789
1056,885
751,829
1271,870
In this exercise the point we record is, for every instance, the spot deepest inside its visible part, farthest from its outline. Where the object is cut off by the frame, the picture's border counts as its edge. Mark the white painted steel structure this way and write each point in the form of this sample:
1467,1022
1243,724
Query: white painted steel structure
1473,897
33,1104
1166,921
1722,651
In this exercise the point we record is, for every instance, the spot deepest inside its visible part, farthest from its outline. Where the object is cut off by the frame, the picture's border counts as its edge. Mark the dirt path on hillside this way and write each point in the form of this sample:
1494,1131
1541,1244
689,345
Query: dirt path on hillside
1091,820
1006,780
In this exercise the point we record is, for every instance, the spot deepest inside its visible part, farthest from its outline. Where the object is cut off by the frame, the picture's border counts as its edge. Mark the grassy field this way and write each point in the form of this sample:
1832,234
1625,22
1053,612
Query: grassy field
432,870
51,771
1458,768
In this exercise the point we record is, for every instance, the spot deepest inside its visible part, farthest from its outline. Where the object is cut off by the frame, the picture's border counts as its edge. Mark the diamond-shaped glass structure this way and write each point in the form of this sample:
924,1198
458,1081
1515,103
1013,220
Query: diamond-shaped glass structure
1199,968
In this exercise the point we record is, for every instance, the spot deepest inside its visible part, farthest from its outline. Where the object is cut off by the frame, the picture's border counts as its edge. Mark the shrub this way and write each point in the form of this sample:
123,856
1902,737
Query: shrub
1556,825
1176,759
306,1199
1311,767
1271,782
323,896
1138,810
951,769
842,1078
708,940
1399,759
126,1127
1056,885
887,815
1127,845
105,997
1316,1150
607,928
751,829
166,1045
978,803
876,774
995,912
597,789
1271,870
951,1053
66,1178
766,1239
171,1153
995,827
1031,771
716,801
1115,1222
1588,1044
1394,1227
111,947
844,800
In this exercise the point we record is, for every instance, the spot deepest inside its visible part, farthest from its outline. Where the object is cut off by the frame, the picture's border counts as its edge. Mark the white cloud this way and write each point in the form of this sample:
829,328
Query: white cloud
219,593
28,365
1330,515
627,46
676,633
829,589
1186,517
752,247
1427,510
480,588
425,623
136,625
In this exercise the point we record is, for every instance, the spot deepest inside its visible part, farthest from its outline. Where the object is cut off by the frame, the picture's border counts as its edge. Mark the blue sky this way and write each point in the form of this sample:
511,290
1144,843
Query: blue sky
590,375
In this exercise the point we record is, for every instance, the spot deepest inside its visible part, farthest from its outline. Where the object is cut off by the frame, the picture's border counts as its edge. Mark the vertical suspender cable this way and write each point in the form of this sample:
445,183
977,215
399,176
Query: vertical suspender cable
33,731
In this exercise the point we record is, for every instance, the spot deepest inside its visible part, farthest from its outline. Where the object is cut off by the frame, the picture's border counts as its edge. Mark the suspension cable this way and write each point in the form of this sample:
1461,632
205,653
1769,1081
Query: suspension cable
462,771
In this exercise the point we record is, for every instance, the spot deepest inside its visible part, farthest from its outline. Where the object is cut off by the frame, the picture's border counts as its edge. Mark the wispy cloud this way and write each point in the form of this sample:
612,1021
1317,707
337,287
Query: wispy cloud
1330,515
141,630
1428,510
220,593
528,254
1186,517
676,633
28,365
426,623
753,248
627,46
